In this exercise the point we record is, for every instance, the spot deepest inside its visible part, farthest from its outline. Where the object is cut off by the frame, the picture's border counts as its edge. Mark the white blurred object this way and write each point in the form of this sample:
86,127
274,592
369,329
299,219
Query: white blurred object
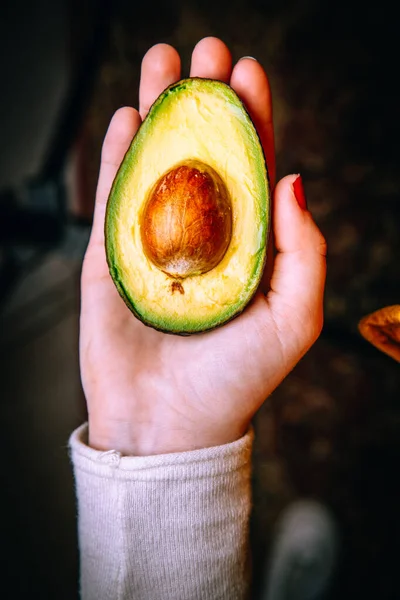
303,554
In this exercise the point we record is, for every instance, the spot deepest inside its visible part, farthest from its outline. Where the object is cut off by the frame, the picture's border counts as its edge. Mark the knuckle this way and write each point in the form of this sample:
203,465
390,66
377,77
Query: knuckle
317,239
316,324
320,242
311,327
322,245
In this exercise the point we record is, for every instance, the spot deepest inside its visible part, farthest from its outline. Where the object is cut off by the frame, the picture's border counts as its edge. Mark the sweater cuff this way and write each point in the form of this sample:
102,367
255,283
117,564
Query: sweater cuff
216,460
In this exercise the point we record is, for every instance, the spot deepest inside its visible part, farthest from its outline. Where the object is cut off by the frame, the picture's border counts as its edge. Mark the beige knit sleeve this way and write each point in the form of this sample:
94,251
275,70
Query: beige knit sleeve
165,527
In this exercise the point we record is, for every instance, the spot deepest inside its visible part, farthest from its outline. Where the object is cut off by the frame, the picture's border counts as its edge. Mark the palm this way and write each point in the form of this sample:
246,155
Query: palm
199,379
197,385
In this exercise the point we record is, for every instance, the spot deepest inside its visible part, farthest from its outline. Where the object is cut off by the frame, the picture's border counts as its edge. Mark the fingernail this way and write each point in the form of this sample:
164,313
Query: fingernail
298,190
250,57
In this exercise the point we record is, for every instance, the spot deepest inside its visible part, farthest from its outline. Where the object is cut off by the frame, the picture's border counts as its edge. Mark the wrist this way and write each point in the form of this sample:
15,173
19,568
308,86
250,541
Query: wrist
123,437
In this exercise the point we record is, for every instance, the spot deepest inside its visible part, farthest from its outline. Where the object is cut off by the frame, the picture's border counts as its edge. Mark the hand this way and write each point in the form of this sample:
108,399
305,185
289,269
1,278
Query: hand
152,393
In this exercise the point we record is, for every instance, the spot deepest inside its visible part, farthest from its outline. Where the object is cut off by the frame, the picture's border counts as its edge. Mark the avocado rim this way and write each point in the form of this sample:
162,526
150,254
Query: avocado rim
254,276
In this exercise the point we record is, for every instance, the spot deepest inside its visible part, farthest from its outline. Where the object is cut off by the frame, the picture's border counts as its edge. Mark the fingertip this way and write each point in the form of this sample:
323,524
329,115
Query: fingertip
123,121
210,44
294,227
244,63
298,190
162,58
284,192
211,59
249,72
124,113
161,66
123,126
285,185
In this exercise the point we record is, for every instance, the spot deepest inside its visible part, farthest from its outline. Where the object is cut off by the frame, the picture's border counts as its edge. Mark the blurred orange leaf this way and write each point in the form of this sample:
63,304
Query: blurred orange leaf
382,329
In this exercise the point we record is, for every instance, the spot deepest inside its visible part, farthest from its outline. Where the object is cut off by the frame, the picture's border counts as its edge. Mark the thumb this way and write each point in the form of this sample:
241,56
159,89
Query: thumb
298,279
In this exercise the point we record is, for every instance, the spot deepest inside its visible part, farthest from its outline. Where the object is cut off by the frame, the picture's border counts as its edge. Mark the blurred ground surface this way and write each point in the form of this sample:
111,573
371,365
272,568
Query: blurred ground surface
332,429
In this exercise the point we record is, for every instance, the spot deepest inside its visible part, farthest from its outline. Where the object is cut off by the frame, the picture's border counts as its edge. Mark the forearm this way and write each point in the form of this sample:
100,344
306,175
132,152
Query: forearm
167,526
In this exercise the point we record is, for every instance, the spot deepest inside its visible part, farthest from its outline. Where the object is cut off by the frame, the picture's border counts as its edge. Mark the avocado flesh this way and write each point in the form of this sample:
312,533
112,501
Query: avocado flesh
203,120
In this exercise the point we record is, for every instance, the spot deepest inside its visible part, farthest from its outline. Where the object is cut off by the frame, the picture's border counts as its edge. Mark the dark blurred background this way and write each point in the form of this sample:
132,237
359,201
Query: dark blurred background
332,429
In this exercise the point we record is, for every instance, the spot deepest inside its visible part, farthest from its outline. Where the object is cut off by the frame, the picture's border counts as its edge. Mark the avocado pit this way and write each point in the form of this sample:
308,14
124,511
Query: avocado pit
186,224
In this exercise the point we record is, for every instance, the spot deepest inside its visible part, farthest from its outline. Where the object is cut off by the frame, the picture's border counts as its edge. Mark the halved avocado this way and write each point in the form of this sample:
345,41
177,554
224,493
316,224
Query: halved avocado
188,213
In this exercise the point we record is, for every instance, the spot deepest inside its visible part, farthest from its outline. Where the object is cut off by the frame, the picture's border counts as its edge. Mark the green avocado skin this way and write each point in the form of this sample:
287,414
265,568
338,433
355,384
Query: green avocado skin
166,325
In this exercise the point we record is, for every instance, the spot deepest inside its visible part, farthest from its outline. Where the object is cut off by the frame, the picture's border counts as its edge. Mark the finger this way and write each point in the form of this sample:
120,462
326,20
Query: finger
120,133
250,82
161,66
298,279
211,59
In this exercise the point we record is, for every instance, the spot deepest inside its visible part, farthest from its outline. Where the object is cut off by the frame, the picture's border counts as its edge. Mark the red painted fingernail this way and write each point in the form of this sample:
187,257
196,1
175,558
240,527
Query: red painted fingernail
299,192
